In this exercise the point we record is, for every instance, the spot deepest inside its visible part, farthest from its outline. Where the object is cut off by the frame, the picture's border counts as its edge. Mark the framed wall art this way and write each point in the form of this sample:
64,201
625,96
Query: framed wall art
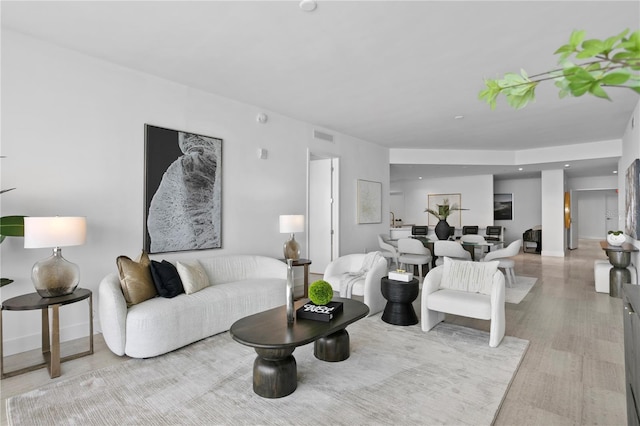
435,202
369,201
502,206
632,200
182,191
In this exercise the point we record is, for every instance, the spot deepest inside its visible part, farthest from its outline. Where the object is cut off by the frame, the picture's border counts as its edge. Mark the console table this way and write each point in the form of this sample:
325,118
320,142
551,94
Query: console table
620,258
50,337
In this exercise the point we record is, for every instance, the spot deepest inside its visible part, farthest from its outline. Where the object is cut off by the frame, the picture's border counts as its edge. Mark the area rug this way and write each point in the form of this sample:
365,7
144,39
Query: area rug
519,289
395,375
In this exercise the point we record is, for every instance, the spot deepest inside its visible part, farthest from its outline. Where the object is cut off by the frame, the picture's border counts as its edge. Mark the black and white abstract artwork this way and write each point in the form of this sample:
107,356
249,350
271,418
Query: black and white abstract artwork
183,189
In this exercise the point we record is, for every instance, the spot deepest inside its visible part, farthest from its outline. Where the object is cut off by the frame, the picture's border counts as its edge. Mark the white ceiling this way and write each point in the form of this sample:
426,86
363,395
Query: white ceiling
391,72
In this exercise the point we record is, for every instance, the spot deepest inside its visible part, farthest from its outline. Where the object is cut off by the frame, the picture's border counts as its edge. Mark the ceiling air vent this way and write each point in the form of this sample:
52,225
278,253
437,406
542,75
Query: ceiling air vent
317,134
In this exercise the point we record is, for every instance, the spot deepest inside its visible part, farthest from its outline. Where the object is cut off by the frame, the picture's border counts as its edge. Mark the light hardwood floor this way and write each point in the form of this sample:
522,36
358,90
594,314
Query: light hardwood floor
572,373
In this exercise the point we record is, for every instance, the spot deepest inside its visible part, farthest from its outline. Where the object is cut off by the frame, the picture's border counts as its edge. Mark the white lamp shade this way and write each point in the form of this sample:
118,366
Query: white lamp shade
291,223
54,231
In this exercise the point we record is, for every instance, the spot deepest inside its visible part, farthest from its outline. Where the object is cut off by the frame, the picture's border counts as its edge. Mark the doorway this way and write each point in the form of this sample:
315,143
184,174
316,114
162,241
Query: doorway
597,212
323,210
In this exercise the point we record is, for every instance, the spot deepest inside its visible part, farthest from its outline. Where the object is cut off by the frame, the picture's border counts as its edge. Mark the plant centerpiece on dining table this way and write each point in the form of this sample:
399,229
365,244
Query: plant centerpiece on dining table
444,211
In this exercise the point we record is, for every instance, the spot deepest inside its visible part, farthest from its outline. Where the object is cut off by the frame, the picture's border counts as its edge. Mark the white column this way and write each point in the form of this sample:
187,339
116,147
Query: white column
553,232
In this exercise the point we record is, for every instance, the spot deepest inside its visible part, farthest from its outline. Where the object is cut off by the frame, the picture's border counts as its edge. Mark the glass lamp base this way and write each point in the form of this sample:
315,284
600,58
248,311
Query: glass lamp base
292,249
55,276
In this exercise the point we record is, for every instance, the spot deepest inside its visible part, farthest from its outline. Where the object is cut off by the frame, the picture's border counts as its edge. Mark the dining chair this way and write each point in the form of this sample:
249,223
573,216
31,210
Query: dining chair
503,256
413,252
452,249
478,250
388,251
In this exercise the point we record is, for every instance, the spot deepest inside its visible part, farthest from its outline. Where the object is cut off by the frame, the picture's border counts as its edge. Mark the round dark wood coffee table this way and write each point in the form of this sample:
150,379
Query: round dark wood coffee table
274,340
400,296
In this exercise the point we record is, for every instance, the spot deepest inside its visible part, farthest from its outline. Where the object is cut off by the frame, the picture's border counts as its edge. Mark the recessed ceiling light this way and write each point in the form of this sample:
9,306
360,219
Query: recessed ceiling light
520,169
615,172
458,117
419,177
567,165
308,5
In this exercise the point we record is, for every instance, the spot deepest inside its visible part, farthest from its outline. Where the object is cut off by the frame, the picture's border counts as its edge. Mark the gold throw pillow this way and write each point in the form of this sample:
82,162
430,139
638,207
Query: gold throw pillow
135,279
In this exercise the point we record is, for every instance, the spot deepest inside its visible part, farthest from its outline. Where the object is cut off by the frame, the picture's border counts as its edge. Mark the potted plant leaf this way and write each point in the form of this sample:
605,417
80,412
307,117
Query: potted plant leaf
442,213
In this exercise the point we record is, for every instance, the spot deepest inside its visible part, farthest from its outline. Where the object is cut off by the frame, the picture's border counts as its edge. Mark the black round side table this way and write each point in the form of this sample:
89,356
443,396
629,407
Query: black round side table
400,296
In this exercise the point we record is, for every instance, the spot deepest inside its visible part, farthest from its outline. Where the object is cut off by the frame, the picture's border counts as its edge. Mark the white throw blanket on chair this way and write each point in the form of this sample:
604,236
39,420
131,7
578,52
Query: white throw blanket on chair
348,279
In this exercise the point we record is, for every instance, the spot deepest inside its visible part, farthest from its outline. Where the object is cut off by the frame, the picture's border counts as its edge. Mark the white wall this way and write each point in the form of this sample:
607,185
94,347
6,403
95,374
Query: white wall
553,232
527,210
476,194
630,151
73,135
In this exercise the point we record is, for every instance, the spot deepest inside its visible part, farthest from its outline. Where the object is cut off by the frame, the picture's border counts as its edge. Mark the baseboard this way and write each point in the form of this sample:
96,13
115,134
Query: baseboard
34,341
551,253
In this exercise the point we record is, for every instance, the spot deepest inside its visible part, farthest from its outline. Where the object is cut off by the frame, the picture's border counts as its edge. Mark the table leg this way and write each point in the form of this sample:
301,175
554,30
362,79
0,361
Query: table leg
619,274
54,360
333,348
275,372
306,281
91,324
46,347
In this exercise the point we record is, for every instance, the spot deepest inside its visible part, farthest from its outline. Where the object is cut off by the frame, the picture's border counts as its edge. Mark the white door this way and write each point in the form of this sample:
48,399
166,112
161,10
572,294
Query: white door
611,211
323,212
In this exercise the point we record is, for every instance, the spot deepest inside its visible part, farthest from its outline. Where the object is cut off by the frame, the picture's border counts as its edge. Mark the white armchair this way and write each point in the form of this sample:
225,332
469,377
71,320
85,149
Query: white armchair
368,286
482,297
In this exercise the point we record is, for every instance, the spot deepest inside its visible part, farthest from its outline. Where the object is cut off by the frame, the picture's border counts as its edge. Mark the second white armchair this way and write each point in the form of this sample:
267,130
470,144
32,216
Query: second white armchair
465,288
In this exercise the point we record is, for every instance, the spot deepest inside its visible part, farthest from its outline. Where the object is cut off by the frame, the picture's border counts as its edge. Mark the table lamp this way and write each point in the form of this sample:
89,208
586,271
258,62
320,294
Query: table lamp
288,225
54,276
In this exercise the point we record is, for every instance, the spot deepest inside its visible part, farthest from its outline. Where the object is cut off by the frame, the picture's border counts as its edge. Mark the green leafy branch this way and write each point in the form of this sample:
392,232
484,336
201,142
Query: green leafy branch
612,62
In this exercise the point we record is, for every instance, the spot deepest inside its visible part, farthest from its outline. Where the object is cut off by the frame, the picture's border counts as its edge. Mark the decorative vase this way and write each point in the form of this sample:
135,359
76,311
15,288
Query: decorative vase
290,310
55,276
616,240
442,230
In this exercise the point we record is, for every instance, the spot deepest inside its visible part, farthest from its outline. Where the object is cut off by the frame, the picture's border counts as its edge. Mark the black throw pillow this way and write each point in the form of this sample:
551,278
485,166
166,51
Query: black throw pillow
166,279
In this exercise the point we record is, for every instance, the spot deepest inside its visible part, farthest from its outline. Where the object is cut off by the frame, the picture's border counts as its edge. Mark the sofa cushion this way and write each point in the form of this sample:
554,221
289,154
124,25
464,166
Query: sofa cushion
193,276
135,279
464,275
473,305
166,279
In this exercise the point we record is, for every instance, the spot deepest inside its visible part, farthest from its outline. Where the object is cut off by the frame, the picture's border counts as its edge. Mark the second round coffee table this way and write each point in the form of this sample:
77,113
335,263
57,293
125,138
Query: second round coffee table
400,296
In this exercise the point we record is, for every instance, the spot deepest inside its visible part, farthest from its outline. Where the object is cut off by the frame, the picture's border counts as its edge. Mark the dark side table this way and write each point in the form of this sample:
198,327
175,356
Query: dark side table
50,337
400,296
305,263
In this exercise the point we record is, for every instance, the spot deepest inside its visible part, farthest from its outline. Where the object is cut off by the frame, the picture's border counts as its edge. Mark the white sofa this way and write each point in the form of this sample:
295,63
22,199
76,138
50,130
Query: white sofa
240,285
487,304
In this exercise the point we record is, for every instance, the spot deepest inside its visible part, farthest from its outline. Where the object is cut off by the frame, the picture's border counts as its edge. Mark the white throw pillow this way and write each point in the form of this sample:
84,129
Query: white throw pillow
465,275
194,277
